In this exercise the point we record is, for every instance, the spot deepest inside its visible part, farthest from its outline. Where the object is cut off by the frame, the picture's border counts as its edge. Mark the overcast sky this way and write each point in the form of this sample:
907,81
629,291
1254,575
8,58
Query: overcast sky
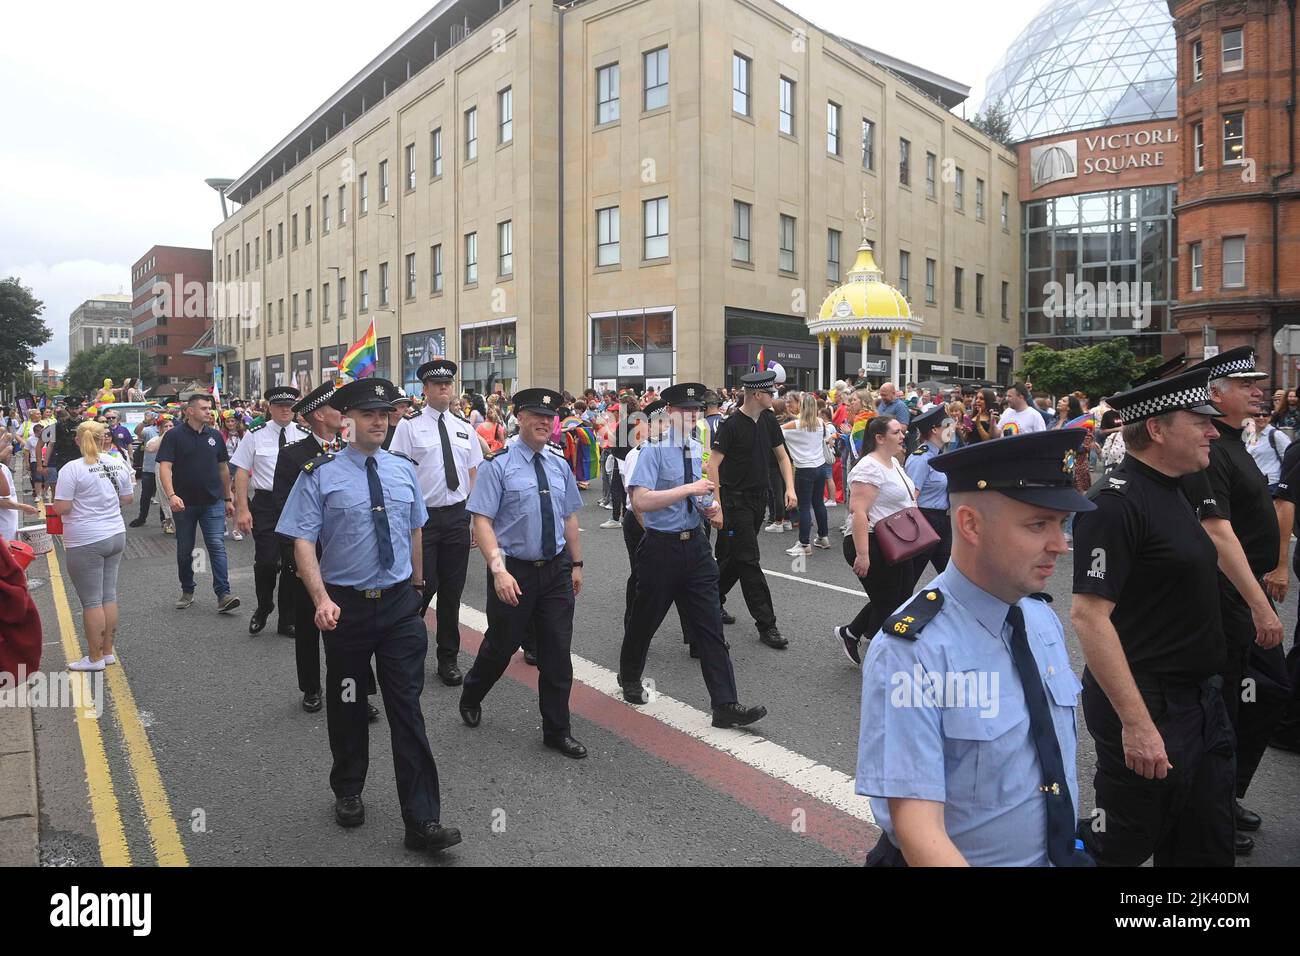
117,112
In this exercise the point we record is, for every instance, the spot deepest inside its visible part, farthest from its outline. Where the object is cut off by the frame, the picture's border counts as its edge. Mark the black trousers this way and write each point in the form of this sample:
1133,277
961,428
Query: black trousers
887,586
148,488
1185,819
547,606
445,544
306,635
1256,686
267,546
1288,728
670,570
941,553
617,491
391,631
738,555
632,535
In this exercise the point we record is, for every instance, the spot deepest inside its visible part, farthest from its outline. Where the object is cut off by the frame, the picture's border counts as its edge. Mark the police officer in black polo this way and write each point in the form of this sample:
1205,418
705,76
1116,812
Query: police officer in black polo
1236,508
363,506
1146,610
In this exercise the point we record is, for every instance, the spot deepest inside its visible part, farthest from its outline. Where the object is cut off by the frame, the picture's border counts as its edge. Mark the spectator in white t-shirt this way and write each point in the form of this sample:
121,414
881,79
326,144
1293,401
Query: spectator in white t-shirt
89,495
1267,446
1019,418
10,506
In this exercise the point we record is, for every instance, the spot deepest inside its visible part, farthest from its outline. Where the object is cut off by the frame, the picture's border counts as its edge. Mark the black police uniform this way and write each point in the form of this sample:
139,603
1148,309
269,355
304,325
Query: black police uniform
1145,550
273,585
1287,733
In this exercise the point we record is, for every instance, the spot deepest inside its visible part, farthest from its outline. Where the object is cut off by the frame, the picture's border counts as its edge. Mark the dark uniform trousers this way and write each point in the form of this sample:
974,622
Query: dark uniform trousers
1253,720
266,558
632,535
941,553
306,635
1185,819
678,568
1288,728
389,629
546,607
446,562
738,554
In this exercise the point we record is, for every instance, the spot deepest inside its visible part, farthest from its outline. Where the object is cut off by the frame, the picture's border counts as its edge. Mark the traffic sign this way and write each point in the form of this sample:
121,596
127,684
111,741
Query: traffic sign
1287,340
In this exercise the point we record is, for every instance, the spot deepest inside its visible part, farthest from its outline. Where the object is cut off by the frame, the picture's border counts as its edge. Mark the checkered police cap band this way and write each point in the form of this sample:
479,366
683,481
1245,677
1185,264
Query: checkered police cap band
311,406
1195,396
1238,366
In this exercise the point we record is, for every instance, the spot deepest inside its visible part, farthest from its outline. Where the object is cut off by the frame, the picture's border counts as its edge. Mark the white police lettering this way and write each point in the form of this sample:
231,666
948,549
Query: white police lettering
1098,569
73,909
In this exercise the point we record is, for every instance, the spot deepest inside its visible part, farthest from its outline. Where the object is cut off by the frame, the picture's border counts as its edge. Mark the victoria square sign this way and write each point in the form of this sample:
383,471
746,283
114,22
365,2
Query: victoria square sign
1133,155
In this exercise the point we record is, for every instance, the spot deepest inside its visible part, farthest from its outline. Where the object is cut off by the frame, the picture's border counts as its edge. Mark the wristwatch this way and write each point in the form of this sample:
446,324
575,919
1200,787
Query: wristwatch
577,564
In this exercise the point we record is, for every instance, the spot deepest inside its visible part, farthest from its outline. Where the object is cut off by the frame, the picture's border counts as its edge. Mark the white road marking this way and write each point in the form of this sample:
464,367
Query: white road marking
817,584
820,782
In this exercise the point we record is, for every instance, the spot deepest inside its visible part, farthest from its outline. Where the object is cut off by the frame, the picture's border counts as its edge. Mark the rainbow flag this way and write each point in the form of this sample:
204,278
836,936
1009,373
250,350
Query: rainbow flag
363,357
858,433
760,363
581,448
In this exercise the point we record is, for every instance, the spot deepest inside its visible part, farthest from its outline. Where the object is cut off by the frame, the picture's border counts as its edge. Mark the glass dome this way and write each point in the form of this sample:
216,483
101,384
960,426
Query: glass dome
1088,63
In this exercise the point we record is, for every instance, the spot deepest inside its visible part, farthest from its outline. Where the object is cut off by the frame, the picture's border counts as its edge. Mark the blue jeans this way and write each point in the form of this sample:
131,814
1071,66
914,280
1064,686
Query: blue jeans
212,518
808,486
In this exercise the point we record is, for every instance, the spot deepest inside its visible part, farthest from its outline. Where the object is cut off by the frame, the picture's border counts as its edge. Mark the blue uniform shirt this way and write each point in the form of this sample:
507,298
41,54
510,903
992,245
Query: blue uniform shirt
506,492
931,485
331,504
944,719
659,468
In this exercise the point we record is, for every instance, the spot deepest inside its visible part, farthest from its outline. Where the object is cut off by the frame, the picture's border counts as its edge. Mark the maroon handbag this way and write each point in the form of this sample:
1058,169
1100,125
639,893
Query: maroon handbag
904,534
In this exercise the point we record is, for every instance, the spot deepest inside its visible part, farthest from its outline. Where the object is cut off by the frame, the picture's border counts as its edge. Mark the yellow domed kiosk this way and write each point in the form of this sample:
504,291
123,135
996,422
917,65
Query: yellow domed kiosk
865,305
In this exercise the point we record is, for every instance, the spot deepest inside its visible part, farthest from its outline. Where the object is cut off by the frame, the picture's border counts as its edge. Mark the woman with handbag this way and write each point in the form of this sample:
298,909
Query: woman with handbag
811,444
888,532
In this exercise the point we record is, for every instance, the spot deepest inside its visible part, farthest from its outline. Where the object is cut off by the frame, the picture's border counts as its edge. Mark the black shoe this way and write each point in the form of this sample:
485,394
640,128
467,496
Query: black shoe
567,746
736,715
1247,820
852,646
311,702
372,712
727,618
1242,844
258,621
772,638
530,657
430,837
471,715
286,630
634,693
137,523
450,674
695,655
349,811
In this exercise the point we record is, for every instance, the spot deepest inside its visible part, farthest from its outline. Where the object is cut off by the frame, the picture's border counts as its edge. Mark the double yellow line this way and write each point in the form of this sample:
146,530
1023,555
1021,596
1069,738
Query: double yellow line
163,835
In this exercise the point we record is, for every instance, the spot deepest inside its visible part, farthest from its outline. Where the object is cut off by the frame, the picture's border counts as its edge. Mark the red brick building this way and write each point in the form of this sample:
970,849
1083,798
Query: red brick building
1239,194
169,311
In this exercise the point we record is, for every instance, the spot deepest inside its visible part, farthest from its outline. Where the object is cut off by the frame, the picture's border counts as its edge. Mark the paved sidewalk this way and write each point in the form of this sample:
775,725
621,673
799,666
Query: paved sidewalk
18,810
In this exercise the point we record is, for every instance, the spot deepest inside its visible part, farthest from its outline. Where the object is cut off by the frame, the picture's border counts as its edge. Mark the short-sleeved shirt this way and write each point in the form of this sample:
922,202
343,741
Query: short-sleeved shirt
420,438
944,719
661,466
1012,422
257,451
1145,550
94,491
122,437
931,486
65,443
195,457
747,445
330,504
1233,488
897,409
895,487
506,492
1267,451
149,462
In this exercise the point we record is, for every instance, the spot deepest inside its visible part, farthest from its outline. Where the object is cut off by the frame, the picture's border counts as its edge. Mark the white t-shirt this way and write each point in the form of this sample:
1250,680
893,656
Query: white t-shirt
625,469
1262,450
94,491
807,448
896,490
1026,422
9,517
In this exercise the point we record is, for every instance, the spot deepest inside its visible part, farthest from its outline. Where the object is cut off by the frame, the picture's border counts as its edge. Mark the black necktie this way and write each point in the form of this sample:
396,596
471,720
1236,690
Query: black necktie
378,514
688,475
548,514
1060,807
448,462
282,436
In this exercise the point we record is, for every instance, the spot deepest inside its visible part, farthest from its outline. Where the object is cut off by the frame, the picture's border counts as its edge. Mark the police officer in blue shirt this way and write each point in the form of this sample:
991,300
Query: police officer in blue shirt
674,564
934,429
525,503
967,742
364,507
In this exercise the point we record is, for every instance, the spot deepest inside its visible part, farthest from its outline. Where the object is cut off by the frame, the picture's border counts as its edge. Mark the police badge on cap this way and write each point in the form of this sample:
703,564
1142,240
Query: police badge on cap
366,393
1234,363
436,371
1037,468
685,395
541,401
282,395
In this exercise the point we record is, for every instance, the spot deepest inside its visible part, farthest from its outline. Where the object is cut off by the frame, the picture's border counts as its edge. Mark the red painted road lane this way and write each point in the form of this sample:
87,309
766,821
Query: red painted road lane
837,831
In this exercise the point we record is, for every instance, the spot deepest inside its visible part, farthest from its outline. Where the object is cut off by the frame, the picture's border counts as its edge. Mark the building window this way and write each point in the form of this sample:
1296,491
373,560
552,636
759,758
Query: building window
1234,137
343,298
607,237
307,303
1198,146
931,172
607,94
471,258
295,310
248,259
435,269
741,216
505,248
506,116
383,182
1006,294
363,194
654,66
979,293
959,191
655,217
383,284
306,224
471,133
832,255
972,360
279,239
787,106
1234,262
930,269
343,206
257,251
435,147
1234,55
904,162
785,244
1198,61
1198,267
740,67
979,199
833,128
279,309
325,215
958,277
868,144
904,273
1005,213
410,275
325,304
364,282
410,166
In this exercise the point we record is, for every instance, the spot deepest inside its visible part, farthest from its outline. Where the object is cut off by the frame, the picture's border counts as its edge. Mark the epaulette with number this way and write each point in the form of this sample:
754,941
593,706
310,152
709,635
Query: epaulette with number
919,612
305,431
921,449
556,447
257,428
411,416
316,462
1110,484
496,454
406,456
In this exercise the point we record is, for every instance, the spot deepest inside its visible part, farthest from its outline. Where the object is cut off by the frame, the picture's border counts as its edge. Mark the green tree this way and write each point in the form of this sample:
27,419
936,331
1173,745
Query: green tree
995,122
1097,370
21,329
88,369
